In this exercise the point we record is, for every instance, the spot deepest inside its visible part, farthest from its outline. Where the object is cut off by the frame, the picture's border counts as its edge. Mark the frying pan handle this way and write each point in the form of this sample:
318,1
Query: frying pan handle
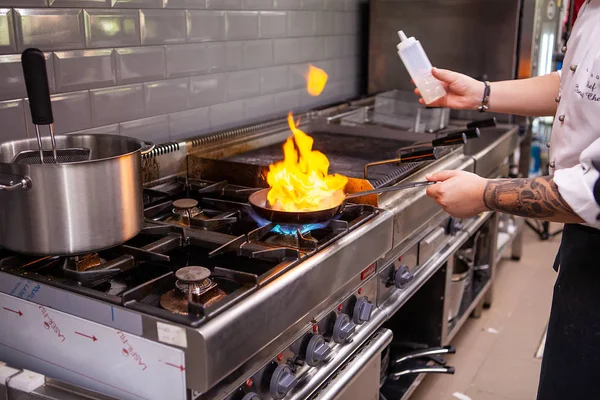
22,182
38,89
389,189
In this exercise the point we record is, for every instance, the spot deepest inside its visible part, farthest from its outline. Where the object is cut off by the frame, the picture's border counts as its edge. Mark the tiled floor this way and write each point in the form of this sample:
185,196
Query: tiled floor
496,354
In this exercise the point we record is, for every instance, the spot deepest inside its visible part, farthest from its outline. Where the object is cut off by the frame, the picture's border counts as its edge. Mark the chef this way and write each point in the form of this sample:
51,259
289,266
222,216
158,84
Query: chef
572,353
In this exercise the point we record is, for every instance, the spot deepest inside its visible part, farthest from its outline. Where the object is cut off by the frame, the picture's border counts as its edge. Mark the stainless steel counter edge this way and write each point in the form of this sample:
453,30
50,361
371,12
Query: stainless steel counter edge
224,342
354,368
413,209
397,300
488,159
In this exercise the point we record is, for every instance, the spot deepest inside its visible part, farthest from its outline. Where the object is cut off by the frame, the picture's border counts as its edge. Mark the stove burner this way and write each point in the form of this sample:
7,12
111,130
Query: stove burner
192,283
192,274
185,204
85,262
185,210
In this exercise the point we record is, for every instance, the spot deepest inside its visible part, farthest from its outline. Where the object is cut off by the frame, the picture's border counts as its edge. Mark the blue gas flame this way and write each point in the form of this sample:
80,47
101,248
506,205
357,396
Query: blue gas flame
287,229
292,229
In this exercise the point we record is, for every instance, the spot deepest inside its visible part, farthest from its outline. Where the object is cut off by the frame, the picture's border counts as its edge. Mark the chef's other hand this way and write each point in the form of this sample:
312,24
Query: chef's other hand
463,92
459,193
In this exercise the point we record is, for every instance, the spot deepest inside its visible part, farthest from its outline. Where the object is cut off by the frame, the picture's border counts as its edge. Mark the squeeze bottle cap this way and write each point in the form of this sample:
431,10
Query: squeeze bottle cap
402,36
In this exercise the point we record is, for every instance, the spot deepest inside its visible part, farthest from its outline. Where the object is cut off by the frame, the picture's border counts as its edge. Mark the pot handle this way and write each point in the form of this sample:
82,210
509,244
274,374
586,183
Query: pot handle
24,182
147,147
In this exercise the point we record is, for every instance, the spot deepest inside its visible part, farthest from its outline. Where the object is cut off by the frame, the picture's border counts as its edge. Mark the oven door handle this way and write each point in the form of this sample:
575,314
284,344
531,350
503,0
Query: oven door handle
425,353
425,370
354,366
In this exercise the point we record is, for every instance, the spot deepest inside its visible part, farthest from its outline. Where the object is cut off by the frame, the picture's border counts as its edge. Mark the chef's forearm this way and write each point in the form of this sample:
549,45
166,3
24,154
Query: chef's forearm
528,97
531,198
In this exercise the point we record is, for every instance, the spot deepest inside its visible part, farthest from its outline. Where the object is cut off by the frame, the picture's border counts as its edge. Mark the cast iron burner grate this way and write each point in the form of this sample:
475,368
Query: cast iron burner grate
221,234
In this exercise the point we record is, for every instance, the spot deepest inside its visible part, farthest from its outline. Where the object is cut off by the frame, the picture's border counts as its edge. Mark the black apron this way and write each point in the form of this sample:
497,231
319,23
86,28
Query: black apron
571,361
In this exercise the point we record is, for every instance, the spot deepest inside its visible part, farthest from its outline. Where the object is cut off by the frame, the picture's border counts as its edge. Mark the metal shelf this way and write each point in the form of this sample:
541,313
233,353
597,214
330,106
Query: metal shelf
507,243
478,299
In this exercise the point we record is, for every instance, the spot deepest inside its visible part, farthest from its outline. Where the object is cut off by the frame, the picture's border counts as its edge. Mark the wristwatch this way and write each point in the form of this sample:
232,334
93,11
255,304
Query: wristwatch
486,97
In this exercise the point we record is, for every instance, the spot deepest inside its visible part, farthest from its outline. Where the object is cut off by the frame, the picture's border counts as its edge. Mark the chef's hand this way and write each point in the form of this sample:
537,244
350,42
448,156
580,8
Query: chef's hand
463,92
459,193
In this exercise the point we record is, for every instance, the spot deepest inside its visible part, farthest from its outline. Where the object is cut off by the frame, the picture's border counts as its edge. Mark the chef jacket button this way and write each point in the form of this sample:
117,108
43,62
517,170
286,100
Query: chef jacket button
564,49
557,99
561,118
552,164
548,145
573,67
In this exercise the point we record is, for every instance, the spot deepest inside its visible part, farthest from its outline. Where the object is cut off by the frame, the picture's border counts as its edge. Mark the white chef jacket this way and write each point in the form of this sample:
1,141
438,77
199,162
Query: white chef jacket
575,139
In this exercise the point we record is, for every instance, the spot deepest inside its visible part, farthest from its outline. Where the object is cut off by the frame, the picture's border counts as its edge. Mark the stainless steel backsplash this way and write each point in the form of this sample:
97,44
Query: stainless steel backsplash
162,70
475,37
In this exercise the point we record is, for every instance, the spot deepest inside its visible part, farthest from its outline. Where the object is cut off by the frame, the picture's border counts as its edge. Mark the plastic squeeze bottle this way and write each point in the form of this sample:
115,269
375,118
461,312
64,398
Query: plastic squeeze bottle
419,67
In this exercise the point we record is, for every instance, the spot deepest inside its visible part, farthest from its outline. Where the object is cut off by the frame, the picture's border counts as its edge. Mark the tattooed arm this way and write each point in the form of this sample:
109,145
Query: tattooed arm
463,194
532,198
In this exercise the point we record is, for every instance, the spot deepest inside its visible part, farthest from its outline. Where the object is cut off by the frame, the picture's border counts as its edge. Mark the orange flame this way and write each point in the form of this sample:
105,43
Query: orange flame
316,79
301,181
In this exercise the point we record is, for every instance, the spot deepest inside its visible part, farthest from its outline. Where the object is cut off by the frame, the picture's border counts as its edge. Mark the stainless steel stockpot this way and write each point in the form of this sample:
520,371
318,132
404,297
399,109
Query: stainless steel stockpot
73,207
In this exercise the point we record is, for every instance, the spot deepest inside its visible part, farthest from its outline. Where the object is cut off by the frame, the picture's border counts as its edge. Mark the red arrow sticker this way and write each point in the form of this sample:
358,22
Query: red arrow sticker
13,311
180,367
94,338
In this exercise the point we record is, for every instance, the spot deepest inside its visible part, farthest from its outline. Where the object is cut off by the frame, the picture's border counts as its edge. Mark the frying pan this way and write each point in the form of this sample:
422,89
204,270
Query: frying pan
258,201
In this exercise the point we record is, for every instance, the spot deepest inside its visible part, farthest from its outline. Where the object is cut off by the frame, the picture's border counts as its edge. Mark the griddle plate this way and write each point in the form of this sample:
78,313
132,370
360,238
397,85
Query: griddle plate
347,154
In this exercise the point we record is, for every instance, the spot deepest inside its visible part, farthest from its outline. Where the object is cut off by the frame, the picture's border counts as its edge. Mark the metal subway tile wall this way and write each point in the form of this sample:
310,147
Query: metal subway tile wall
169,69
139,64
12,115
273,24
72,69
71,112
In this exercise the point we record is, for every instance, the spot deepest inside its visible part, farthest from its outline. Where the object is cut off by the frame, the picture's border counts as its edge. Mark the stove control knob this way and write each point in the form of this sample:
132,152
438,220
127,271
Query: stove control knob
317,350
252,396
402,277
282,381
362,311
343,328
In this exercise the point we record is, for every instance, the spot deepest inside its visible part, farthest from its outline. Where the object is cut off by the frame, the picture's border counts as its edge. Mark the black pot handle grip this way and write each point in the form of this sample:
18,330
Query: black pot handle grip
427,154
38,89
472,133
484,123
450,140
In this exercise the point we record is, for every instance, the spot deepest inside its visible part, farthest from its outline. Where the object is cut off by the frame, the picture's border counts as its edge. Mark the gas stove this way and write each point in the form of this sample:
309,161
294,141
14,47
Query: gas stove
204,296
